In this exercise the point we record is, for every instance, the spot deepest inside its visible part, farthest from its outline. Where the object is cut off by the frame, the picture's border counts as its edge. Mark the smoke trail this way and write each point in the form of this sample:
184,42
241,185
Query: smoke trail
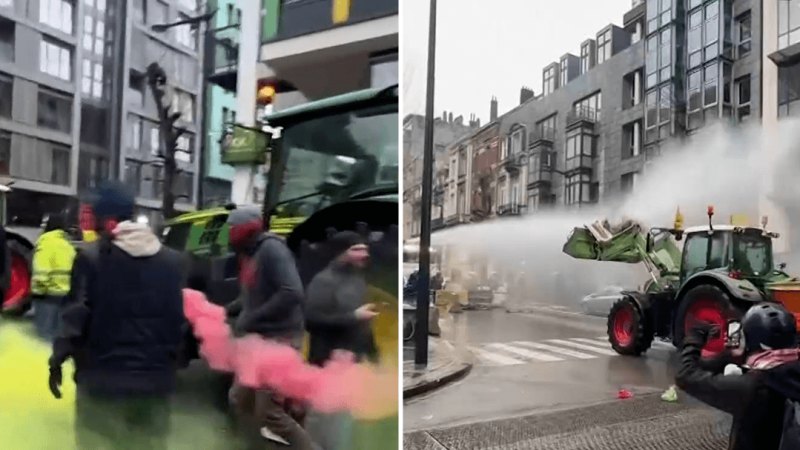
730,168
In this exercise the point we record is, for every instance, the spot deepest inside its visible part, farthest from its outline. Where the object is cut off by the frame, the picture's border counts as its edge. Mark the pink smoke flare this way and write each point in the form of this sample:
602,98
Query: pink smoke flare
341,385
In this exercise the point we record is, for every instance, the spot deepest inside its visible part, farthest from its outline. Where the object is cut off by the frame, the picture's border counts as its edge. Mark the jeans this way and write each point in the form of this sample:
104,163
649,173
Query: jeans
47,317
331,431
128,423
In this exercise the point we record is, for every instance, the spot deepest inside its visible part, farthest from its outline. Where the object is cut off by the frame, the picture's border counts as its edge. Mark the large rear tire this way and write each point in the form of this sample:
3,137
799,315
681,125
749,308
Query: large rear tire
710,304
629,331
16,299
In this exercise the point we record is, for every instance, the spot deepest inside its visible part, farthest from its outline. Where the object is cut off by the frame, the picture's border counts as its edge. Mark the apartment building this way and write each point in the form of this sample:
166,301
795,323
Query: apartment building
74,108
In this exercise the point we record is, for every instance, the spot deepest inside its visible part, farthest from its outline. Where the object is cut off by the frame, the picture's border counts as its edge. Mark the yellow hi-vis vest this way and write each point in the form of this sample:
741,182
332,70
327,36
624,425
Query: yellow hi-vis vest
52,264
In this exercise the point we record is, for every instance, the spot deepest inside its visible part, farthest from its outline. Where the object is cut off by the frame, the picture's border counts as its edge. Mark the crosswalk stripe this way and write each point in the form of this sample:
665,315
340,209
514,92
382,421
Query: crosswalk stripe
554,349
579,346
525,353
495,358
605,344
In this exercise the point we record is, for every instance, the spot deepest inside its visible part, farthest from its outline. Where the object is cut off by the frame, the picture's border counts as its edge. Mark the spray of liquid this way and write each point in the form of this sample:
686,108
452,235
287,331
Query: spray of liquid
734,169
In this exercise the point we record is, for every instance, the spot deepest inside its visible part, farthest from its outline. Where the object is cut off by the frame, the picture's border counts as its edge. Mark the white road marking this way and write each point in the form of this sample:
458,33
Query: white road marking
590,348
494,358
525,353
554,349
592,342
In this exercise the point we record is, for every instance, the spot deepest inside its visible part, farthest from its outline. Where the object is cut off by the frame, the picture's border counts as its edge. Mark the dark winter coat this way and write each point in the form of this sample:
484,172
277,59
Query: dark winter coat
271,299
123,317
755,399
332,299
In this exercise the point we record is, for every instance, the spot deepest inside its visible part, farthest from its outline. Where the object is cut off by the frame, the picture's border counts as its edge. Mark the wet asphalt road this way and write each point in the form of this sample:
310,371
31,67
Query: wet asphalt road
550,358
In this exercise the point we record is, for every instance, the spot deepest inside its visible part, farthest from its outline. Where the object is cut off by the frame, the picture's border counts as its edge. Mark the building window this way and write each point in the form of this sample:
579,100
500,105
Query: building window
54,110
91,170
788,23
658,107
550,80
99,5
135,133
658,61
631,139
632,89
589,107
133,175
578,189
160,12
136,88
184,187
183,102
57,14
789,91
564,72
92,79
5,152
55,59
711,82
515,143
6,95
628,182
186,35
94,124
7,28
586,55
184,148
190,5
579,145
743,34
743,98
659,14
140,11
603,46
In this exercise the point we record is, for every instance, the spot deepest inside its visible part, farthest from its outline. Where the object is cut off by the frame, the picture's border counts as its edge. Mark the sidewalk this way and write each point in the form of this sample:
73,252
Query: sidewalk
446,364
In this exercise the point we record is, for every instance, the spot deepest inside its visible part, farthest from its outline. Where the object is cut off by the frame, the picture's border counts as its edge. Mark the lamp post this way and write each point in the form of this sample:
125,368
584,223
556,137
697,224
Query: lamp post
423,288
167,131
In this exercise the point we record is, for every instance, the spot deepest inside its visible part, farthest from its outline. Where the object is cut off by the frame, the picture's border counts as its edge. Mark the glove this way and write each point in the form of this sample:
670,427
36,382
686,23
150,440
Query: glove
701,331
55,381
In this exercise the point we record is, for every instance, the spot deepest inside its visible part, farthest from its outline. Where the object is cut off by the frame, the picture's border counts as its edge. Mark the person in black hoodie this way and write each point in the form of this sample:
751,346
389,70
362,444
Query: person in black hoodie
756,399
270,306
121,325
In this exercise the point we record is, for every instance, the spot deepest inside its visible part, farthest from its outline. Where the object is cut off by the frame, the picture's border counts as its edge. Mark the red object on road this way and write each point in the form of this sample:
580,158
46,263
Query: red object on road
624,394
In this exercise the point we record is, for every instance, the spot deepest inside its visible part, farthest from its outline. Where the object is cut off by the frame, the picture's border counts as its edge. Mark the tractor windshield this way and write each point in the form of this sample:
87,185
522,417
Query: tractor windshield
752,253
335,157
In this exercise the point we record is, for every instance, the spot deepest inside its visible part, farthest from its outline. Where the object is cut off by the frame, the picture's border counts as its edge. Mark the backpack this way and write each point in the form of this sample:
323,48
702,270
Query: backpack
790,437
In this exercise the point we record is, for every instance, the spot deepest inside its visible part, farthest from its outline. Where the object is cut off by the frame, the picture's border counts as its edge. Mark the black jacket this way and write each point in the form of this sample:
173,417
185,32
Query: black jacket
122,320
333,297
271,301
755,399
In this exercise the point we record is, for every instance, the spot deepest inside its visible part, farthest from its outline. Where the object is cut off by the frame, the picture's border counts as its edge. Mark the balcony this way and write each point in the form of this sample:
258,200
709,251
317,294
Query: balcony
582,116
512,164
303,17
543,176
226,57
580,163
511,209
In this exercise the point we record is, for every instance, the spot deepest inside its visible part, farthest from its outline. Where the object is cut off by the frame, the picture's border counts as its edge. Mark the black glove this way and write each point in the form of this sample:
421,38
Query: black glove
55,381
701,331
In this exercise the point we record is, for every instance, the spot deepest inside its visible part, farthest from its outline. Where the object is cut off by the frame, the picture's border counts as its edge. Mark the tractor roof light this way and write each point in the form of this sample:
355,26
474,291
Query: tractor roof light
678,225
764,222
710,212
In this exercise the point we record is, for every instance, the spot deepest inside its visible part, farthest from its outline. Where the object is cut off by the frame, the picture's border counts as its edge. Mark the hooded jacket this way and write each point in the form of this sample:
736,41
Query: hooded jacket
756,399
332,299
123,317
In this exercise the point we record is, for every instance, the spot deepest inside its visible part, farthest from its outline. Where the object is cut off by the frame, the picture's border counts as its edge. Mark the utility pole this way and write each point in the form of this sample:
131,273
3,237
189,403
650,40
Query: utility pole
423,289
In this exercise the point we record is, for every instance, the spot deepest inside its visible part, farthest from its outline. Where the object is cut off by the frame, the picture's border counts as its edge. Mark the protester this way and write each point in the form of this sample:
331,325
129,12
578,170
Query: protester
337,318
270,306
757,399
122,327
53,256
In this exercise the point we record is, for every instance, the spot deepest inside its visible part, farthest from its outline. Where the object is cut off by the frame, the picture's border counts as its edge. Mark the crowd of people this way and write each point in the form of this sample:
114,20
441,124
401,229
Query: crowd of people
115,308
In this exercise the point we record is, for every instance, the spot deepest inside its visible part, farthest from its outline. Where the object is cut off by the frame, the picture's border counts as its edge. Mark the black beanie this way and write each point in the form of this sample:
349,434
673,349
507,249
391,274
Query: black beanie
343,240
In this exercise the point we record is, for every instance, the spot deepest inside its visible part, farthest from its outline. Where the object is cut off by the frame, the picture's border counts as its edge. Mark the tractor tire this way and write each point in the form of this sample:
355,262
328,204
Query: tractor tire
629,331
409,330
711,304
16,298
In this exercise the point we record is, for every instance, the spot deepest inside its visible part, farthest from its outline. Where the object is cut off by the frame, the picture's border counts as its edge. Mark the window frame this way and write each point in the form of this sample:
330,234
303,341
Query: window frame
58,96
604,50
744,45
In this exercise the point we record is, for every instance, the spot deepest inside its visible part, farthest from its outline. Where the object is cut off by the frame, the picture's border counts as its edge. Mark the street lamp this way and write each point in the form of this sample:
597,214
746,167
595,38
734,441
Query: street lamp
423,288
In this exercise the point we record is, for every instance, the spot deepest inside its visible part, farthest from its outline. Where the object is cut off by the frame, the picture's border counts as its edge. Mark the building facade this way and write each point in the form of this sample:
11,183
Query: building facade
74,106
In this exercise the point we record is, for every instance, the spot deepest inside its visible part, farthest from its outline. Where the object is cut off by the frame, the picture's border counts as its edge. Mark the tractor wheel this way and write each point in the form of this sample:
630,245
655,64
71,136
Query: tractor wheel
628,330
710,304
408,330
17,296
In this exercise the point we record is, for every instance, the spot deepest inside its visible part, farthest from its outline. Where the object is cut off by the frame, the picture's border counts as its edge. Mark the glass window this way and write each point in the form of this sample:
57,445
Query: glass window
5,152
57,14
743,34
54,110
59,170
6,97
743,90
788,84
652,55
711,85
7,31
140,11
665,103
564,72
603,46
651,105
585,55
185,34
55,59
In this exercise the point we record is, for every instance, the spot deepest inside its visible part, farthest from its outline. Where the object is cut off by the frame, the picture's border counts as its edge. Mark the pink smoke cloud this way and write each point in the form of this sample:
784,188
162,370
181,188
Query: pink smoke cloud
341,385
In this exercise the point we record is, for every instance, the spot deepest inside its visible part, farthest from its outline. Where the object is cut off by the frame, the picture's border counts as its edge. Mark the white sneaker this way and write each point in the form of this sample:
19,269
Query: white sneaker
266,433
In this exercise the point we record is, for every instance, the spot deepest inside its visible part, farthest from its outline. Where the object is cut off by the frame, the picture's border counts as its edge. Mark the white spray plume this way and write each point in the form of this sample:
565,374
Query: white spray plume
730,168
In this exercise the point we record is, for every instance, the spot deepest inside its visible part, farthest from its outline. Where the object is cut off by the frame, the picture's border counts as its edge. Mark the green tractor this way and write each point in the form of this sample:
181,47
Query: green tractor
719,274
332,167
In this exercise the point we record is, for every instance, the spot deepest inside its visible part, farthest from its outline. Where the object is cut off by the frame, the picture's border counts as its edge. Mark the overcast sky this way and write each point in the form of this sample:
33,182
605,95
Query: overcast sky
487,48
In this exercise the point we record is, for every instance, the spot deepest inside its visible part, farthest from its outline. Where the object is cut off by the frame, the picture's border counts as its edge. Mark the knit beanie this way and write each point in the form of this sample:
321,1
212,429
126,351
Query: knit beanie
343,240
113,200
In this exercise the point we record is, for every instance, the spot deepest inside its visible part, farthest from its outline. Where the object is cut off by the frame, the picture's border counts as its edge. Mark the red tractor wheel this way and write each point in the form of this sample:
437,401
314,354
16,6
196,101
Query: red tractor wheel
710,304
19,283
628,330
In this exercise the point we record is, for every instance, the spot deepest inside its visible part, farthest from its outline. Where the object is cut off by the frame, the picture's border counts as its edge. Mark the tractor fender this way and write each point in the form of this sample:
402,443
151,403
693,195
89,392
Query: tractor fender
641,299
742,290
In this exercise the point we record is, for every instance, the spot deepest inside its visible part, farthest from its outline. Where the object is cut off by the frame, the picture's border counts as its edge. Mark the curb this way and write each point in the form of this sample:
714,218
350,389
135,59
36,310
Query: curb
423,388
